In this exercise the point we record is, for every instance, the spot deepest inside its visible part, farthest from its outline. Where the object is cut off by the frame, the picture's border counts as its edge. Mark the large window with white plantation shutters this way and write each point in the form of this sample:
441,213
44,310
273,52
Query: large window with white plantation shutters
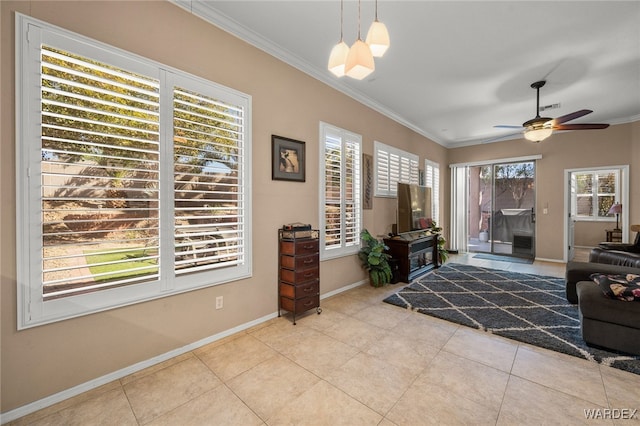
132,178
340,208
393,165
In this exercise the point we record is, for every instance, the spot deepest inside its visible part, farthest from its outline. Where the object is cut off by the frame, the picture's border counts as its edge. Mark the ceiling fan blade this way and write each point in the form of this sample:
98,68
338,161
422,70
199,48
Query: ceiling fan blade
585,126
504,126
572,116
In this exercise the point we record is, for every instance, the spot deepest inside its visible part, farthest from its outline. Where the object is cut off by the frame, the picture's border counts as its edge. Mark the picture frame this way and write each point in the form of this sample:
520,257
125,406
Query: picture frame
287,159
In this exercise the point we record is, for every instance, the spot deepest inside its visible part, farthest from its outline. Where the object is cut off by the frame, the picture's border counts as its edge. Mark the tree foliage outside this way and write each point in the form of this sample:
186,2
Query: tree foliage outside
515,179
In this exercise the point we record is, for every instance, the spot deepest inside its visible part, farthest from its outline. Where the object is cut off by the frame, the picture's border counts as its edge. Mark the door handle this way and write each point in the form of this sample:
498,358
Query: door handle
533,215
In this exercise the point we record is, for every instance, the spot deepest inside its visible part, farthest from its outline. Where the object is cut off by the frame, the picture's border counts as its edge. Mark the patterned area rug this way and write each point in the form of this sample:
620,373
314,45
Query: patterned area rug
524,307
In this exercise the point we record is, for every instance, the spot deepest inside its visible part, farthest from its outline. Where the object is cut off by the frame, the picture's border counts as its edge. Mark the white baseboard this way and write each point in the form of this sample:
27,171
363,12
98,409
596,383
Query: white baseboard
108,378
343,289
542,259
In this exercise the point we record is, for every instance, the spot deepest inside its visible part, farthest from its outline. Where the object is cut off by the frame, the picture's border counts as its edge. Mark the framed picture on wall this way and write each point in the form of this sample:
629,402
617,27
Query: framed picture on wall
287,159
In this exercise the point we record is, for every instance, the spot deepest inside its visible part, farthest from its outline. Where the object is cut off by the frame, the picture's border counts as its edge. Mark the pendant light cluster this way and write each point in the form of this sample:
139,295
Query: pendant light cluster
357,61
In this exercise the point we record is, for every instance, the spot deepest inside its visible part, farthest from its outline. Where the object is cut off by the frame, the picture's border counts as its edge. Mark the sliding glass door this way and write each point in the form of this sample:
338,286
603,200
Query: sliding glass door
501,210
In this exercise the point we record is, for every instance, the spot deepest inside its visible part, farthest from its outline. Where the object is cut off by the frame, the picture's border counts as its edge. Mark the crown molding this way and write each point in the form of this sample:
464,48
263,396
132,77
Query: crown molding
231,26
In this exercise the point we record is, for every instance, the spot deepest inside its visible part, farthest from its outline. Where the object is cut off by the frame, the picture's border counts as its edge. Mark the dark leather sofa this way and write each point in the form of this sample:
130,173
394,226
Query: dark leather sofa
581,271
605,322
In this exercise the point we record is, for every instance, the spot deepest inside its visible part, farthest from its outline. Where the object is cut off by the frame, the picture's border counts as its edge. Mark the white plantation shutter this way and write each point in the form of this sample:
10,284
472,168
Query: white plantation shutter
340,191
394,172
393,165
351,197
333,191
132,178
100,156
208,206
432,180
382,166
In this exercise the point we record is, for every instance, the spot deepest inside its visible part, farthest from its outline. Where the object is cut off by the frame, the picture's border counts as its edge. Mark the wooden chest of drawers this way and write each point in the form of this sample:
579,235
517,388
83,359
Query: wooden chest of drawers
298,275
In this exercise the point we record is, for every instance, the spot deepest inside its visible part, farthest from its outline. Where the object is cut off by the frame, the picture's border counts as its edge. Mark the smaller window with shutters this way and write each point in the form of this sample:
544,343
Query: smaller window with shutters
595,192
393,165
132,178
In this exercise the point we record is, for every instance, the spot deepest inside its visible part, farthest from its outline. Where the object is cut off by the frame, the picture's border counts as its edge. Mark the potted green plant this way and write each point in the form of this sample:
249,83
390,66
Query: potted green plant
375,260
443,254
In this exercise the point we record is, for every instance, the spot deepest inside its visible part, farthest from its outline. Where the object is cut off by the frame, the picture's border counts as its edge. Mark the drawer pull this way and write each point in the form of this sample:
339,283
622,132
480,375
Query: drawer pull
308,274
309,247
309,303
308,261
308,289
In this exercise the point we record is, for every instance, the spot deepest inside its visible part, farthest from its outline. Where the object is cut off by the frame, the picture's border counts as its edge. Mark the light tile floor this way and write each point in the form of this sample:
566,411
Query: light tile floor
361,362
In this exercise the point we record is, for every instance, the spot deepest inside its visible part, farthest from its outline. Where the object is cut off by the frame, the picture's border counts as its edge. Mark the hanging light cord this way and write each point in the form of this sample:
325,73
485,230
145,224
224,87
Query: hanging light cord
341,18
359,38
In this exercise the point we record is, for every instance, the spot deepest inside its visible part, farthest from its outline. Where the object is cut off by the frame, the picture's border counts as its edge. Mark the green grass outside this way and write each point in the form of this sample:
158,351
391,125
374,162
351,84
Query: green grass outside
119,270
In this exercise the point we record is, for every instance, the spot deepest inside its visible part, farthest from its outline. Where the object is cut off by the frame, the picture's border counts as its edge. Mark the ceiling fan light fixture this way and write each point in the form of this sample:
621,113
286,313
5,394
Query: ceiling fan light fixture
338,59
378,38
359,61
539,134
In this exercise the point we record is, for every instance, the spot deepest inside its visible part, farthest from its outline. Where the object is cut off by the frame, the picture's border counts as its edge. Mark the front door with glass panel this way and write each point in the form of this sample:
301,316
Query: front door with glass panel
502,209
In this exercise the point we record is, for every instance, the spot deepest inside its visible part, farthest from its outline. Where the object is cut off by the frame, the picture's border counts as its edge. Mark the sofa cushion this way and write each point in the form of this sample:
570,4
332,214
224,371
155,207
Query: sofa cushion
625,287
581,271
595,305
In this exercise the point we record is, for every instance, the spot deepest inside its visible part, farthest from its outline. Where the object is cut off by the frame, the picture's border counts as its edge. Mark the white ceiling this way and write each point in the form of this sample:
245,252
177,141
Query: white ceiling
455,69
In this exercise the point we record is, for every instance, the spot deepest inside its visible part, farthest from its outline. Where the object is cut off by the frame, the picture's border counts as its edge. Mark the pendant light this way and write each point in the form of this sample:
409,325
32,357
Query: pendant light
378,37
338,57
359,60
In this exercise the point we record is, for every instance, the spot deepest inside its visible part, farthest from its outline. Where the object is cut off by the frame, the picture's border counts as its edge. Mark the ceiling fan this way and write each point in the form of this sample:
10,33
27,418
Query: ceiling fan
540,128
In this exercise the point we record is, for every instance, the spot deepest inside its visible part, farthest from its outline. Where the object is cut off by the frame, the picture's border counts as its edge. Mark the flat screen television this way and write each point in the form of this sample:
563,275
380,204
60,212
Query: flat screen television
414,207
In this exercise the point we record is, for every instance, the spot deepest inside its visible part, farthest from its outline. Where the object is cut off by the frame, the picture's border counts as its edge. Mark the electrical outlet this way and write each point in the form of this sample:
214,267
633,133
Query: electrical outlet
219,302
545,211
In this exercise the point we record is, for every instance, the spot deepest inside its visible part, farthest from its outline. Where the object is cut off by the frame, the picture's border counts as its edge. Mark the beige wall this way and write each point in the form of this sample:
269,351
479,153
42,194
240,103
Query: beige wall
44,360
589,234
617,145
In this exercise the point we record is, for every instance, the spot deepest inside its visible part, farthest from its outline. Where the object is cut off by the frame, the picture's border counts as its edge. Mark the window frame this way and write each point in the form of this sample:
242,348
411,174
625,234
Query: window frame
595,194
384,171
32,309
344,248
